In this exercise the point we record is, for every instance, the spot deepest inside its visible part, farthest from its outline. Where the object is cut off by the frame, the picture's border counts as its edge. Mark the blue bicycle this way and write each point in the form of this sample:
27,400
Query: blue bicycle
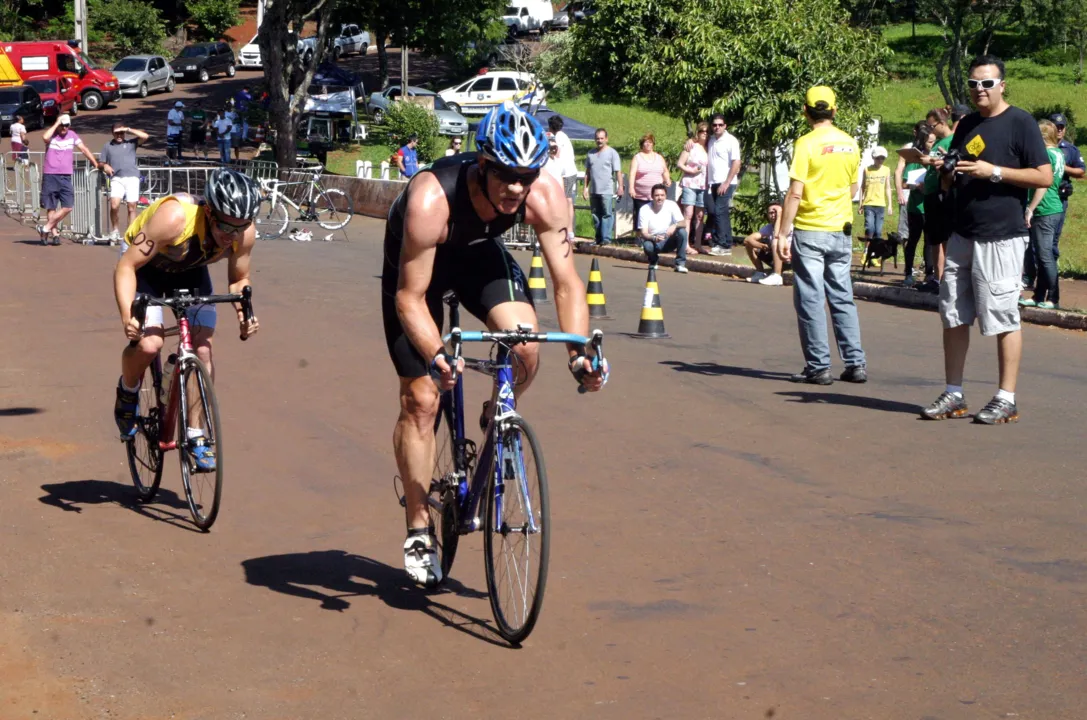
506,481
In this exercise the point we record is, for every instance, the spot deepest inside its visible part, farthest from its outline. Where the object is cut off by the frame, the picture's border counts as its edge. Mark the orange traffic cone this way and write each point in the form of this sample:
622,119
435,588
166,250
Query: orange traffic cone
594,294
652,323
537,283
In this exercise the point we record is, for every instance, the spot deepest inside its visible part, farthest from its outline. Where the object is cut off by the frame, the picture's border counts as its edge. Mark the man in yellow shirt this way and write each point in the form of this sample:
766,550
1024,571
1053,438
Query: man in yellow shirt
824,178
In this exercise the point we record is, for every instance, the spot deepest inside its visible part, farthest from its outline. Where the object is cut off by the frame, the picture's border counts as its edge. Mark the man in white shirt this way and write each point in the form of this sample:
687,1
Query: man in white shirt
175,121
568,166
662,228
722,177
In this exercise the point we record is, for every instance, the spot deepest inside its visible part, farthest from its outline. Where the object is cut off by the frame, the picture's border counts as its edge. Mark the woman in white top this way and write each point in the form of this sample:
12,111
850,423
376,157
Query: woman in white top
693,164
553,164
454,146
18,139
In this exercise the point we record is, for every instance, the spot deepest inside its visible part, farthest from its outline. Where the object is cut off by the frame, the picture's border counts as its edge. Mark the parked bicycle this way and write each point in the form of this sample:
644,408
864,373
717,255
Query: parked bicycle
176,397
328,207
506,482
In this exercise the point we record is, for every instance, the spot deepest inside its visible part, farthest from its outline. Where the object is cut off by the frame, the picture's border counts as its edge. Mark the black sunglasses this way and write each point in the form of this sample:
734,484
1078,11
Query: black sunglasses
509,176
718,125
228,228
987,84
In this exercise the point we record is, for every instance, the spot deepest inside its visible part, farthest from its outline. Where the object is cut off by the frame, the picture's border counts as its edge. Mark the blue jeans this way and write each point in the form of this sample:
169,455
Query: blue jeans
717,208
821,263
603,209
1060,229
676,241
1043,243
873,220
224,149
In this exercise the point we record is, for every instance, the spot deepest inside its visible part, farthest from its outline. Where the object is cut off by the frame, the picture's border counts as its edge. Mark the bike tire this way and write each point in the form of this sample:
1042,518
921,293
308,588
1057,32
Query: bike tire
203,491
447,519
143,450
517,619
333,209
271,220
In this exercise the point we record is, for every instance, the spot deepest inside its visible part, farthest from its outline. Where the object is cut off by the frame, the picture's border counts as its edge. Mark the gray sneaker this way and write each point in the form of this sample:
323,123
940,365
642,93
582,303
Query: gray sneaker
946,406
813,377
997,412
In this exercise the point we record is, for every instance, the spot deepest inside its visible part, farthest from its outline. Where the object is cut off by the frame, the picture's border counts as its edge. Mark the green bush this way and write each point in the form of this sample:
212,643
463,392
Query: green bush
213,17
404,119
552,67
134,26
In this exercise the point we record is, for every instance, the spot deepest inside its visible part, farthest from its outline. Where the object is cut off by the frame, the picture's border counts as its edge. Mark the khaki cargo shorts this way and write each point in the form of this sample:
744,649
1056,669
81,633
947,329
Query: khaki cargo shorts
981,280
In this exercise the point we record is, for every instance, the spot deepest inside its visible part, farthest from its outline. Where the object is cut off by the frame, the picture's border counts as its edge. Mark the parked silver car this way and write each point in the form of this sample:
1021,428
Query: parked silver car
141,74
450,122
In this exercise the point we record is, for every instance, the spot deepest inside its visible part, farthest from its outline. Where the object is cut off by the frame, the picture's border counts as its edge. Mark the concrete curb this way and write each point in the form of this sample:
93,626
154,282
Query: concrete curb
892,295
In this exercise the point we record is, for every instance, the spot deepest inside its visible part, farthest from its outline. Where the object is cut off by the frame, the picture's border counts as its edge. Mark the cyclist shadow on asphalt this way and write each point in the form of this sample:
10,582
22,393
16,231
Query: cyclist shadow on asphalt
71,496
330,576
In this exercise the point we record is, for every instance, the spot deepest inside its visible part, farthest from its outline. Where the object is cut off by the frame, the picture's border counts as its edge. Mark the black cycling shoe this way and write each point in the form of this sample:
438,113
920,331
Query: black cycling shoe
855,374
996,412
813,377
124,411
946,406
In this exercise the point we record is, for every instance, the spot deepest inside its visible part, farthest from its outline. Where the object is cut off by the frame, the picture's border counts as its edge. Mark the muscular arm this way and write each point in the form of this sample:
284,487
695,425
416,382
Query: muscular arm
425,220
899,170
546,213
87,153
167,223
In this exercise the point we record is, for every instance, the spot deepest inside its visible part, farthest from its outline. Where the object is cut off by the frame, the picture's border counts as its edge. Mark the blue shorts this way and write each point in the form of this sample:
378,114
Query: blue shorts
57,192
691,196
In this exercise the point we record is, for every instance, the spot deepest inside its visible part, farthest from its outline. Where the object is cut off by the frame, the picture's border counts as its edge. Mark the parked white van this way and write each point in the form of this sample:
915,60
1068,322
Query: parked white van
525,16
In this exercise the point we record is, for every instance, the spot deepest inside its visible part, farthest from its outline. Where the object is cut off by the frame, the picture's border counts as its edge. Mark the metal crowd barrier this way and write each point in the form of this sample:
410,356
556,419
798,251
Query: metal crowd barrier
20,184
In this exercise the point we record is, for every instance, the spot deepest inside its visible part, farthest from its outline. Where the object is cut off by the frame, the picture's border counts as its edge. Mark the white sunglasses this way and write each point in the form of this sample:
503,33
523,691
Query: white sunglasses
988,84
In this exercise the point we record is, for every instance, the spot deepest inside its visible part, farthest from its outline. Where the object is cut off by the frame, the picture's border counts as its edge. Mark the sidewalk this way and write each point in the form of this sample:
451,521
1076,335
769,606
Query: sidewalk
869,285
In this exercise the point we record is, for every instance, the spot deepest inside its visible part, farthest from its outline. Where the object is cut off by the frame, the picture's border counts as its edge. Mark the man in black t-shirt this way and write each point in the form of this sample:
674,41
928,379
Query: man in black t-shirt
1003,157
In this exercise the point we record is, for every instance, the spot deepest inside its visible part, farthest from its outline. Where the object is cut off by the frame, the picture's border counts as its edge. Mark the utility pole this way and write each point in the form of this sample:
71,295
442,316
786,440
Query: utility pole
260,13
81,24
404,65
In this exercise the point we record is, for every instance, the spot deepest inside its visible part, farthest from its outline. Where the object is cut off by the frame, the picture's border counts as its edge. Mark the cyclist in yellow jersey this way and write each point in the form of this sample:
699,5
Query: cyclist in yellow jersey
170,246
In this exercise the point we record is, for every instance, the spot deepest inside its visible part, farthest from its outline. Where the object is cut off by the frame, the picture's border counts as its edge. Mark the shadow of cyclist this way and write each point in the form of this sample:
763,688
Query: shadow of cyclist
71,496
341,575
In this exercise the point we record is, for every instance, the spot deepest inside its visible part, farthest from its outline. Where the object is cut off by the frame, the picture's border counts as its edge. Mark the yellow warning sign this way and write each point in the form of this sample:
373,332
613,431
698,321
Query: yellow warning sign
976,146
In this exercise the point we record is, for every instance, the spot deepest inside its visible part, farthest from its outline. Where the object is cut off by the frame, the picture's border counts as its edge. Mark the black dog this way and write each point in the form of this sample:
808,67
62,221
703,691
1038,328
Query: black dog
882,250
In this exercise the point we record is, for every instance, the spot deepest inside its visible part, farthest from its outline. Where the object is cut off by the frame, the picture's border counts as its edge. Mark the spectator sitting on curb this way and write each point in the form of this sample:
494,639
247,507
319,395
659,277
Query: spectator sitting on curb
660,226
759,249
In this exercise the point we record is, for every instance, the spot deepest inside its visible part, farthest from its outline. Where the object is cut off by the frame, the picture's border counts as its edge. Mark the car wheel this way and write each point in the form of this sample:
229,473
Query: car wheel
92,100
308,58
336,53
204,75
231,71
363,49
143,89
454,107
379,115
170,85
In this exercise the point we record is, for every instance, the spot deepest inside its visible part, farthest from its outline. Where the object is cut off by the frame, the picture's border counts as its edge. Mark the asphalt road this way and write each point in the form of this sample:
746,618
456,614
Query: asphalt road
725,543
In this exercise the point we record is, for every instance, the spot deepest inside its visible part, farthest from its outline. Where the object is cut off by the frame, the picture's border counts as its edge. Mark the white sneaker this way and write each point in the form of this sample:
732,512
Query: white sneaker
773,280
421,559
115,236
681,268
719,251
756,276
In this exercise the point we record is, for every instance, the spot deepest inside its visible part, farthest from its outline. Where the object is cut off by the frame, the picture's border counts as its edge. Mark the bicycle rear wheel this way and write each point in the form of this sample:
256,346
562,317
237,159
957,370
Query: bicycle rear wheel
271,219
516,541
442,500
143,450
199,409
333,209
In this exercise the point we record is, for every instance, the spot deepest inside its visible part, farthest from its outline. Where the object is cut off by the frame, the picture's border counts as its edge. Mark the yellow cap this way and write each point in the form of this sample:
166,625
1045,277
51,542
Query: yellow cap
821,93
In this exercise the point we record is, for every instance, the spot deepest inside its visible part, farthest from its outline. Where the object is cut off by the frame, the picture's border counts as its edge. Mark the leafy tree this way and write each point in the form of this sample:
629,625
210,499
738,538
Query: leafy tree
965,24
213,17
15,18
134,26
750,61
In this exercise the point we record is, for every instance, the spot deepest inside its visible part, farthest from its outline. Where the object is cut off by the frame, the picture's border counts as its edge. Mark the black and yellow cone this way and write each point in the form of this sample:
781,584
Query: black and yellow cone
594,294
537,284
652,323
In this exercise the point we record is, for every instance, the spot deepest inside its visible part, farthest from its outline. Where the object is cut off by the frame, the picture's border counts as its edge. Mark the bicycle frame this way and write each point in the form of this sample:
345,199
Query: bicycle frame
274,190
176,391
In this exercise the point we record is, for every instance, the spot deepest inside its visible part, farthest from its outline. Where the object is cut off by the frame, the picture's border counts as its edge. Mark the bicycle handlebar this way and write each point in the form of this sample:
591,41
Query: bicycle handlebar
182,301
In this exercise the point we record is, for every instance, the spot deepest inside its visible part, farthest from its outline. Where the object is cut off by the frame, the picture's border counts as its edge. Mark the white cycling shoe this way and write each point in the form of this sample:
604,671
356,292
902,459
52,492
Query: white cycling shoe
421,558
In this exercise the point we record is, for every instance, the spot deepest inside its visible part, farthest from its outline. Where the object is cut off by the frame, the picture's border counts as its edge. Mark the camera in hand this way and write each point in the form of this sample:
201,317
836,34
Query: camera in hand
952,159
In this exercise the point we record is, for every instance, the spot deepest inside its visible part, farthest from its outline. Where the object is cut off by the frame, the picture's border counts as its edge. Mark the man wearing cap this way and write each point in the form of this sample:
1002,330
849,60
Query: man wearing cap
119,164
175,122
1074,168
407,158
876,193
58,197
825,175
1000,157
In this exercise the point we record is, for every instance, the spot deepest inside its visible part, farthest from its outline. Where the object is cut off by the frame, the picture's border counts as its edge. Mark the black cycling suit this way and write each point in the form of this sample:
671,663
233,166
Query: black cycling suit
472,262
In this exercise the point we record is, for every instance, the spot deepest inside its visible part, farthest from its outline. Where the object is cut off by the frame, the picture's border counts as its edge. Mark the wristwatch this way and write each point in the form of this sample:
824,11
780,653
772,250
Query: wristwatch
997,176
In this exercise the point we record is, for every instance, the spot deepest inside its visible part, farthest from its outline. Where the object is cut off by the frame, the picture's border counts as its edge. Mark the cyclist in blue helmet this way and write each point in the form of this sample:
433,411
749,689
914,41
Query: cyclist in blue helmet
444,233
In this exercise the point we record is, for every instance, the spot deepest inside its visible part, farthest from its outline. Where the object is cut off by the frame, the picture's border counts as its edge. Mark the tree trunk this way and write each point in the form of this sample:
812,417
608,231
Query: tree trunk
382,59
941,81
1082,46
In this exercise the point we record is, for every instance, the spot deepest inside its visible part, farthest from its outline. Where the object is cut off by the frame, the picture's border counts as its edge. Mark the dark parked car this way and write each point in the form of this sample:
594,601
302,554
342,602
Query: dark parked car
201,61
21,100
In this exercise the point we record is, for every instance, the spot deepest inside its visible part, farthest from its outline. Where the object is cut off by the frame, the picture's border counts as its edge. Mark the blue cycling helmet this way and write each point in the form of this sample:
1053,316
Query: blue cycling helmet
512,137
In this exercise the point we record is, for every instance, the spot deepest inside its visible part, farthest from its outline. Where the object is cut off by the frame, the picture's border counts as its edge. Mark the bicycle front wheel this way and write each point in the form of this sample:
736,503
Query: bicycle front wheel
516,541
333,209
442,499
271,220
200,412
143,449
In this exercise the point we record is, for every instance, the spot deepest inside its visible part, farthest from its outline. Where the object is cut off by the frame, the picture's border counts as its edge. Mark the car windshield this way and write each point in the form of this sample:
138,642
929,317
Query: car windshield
10,97
193,51
511,10
43,86
87,62
439,104
130,65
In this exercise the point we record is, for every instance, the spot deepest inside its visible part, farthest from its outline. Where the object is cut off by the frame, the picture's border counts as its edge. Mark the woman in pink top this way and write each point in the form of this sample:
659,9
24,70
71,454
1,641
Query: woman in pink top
647,169
693,164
